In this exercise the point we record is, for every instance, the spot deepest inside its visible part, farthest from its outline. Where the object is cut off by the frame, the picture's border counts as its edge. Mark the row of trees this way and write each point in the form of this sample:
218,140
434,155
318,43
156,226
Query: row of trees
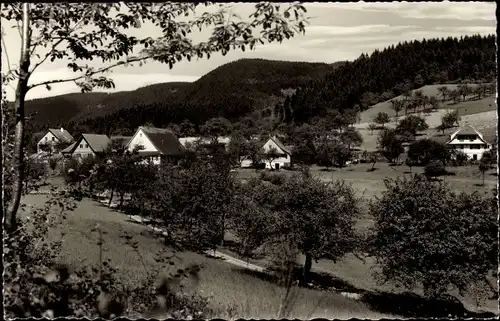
462,91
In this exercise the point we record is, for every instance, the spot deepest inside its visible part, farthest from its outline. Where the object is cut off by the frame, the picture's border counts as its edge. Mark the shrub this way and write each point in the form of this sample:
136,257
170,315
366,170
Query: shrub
434,169
274,178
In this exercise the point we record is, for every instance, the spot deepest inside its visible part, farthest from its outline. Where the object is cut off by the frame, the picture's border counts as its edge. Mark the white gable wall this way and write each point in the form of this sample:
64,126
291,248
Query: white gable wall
48,138
140,139
82,149
282,161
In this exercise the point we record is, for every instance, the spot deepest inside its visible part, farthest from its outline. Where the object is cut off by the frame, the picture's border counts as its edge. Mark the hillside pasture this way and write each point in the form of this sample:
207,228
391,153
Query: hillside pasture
465,108
233,290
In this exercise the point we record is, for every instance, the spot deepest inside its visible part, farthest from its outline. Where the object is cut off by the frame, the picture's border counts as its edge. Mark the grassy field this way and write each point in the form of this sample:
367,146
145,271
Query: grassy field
369,184
230,286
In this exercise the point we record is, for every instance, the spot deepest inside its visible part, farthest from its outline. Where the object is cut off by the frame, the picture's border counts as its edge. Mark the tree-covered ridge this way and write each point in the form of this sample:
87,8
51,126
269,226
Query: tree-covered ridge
230,90
395,70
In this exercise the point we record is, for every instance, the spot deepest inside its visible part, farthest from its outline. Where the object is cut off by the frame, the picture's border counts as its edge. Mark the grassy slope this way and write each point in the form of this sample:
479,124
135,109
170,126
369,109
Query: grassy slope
478,113
465,108
230,286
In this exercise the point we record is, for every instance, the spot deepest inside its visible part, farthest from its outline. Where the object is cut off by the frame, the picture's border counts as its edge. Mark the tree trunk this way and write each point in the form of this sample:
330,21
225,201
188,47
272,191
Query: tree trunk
307,268
111,197
121,199
22,88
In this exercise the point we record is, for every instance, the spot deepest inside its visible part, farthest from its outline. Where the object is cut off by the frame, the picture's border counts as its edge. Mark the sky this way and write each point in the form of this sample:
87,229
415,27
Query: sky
337,32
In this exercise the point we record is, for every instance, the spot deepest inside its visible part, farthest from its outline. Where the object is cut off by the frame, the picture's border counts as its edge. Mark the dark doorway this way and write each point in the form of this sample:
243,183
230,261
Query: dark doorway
277,166
474,157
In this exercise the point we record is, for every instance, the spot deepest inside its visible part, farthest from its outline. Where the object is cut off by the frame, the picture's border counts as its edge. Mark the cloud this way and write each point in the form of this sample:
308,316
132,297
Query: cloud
423,10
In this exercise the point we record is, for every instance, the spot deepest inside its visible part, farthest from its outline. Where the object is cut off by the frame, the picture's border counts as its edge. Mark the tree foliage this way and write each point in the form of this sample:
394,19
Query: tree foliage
422,151
426,235
390,144
321,218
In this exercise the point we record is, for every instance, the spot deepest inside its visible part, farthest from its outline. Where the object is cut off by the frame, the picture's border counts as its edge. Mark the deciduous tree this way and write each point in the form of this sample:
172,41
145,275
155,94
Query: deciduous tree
425,235
390,144
381,118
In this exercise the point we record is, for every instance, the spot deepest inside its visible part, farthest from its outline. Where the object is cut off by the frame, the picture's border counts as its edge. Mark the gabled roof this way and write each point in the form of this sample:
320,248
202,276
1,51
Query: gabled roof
164,140
63,136
98,143
70,148
467,130
281,145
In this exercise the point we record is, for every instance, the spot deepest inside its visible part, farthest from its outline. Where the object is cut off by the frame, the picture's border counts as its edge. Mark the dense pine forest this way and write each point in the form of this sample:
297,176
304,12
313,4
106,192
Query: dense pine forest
287,92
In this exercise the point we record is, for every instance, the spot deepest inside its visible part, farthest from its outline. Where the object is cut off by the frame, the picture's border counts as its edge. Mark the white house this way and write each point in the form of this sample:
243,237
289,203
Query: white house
155,144
87,145
53,137
469,141
284,152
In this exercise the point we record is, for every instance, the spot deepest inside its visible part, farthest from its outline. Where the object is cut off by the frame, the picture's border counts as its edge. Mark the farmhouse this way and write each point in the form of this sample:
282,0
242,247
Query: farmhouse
469,141
87,145
155,144
52,139
284,152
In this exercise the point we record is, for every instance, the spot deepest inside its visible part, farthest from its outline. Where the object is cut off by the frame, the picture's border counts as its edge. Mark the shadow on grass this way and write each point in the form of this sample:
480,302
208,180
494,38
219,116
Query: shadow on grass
372,169
412,305
450,173
494,174
407,304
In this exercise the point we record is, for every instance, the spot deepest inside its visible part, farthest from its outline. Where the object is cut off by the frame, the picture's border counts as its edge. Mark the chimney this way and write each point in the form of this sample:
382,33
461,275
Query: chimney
62,130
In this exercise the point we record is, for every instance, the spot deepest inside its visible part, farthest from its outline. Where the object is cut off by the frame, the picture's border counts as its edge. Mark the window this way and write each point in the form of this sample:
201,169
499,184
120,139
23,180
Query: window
53,139
81,145
474,157
46,138
140,134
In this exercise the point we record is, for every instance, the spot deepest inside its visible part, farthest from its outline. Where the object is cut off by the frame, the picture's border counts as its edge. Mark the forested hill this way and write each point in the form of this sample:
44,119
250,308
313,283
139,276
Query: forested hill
255,87
229,90
392,71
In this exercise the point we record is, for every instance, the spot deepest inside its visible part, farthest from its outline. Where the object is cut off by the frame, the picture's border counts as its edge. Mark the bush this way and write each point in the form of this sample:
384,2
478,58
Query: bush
434,169
274,178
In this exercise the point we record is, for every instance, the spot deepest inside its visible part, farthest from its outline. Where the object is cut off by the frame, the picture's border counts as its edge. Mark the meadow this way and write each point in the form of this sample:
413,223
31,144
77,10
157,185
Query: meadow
233,291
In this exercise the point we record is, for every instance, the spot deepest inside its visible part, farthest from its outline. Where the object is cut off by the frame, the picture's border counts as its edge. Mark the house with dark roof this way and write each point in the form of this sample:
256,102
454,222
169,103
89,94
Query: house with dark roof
470,141
87,145
284,153
155,144
52,139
